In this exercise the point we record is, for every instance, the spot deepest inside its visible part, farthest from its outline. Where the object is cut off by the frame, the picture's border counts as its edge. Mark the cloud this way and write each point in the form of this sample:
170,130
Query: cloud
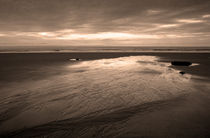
153,12
82,19
206,16
190,21
168,25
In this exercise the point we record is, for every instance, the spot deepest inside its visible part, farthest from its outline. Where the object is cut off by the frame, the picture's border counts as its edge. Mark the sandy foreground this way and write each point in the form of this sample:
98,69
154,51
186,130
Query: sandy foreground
104,95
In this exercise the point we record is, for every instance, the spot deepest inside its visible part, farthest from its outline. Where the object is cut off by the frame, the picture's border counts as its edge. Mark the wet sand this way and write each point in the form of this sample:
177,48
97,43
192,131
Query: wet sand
177,110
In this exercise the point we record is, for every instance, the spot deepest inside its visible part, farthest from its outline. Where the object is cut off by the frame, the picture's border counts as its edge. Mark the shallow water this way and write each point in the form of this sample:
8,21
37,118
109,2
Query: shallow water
94,87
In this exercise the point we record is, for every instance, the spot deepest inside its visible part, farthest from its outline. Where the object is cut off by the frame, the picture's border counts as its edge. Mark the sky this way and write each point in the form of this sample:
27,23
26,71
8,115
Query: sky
105,22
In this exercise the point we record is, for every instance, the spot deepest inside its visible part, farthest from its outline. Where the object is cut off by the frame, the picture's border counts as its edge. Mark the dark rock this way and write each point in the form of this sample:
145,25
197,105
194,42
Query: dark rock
181,72
181,63
74,59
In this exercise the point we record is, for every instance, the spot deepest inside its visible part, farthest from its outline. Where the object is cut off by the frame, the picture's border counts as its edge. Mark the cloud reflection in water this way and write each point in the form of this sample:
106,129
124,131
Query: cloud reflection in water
95,87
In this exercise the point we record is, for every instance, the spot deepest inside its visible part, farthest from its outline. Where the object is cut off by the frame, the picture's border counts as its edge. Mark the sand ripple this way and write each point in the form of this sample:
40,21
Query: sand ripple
96,86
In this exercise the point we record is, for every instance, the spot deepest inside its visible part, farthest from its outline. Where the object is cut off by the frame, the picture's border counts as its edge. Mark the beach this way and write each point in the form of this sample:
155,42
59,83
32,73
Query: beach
104,94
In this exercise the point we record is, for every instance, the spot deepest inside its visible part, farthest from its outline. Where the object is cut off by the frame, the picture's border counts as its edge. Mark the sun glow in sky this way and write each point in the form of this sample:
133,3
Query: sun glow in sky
108,35
127,22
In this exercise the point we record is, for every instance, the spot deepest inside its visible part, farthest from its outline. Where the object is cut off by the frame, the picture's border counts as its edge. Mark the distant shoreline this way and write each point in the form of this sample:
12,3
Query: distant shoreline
22,52
103,49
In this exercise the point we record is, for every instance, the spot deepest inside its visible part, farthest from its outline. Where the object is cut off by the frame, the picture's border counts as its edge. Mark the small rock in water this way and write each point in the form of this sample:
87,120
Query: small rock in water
181,63
181,72
75,59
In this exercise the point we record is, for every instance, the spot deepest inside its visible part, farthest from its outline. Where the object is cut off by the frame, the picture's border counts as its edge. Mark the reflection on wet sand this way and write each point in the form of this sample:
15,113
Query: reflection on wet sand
103,96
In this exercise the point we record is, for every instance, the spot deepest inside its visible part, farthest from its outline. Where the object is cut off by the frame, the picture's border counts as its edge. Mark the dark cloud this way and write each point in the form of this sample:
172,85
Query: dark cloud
94,16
